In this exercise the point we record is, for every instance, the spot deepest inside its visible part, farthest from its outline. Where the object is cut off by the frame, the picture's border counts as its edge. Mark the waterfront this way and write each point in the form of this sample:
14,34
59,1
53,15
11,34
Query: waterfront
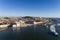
34,32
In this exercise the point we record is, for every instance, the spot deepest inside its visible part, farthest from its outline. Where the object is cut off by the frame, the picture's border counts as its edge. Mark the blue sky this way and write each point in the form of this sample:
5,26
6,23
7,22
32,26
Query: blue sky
42,8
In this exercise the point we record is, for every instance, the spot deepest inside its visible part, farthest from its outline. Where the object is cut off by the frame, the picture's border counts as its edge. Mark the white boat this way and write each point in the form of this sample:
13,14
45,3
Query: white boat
58,24
52,29
4,26
14,25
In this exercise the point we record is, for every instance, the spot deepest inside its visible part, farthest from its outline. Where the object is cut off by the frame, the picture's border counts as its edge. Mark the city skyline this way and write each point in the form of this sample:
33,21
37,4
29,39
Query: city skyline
41,8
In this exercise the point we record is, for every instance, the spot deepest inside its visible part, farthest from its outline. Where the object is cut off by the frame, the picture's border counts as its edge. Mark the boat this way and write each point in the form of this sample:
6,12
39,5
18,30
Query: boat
58,23
53,30
14,26
4,26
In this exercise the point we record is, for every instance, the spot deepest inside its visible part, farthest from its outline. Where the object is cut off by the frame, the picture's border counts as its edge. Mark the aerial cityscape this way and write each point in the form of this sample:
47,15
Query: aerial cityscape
25,20
29,19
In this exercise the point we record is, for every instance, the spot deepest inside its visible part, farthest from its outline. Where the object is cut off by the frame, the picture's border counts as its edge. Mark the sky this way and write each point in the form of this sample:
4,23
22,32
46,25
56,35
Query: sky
41,8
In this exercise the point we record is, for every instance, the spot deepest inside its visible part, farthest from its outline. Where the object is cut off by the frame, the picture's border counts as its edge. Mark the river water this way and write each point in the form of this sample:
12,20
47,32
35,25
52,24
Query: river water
35,32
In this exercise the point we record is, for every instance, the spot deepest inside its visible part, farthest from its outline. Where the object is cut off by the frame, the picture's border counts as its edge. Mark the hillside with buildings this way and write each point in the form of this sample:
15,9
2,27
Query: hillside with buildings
8,20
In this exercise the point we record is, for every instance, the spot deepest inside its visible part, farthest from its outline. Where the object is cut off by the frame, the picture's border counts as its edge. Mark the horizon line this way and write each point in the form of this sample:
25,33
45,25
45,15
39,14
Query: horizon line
31,16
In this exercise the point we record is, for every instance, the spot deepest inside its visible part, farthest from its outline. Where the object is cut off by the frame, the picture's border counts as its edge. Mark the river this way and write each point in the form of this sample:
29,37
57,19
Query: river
35,32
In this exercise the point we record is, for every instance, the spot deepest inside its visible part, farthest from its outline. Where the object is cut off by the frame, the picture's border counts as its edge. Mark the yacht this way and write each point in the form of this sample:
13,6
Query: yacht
53,30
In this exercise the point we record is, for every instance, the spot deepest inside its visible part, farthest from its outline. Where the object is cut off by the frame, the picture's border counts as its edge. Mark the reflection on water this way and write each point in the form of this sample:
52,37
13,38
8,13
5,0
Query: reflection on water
35,32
